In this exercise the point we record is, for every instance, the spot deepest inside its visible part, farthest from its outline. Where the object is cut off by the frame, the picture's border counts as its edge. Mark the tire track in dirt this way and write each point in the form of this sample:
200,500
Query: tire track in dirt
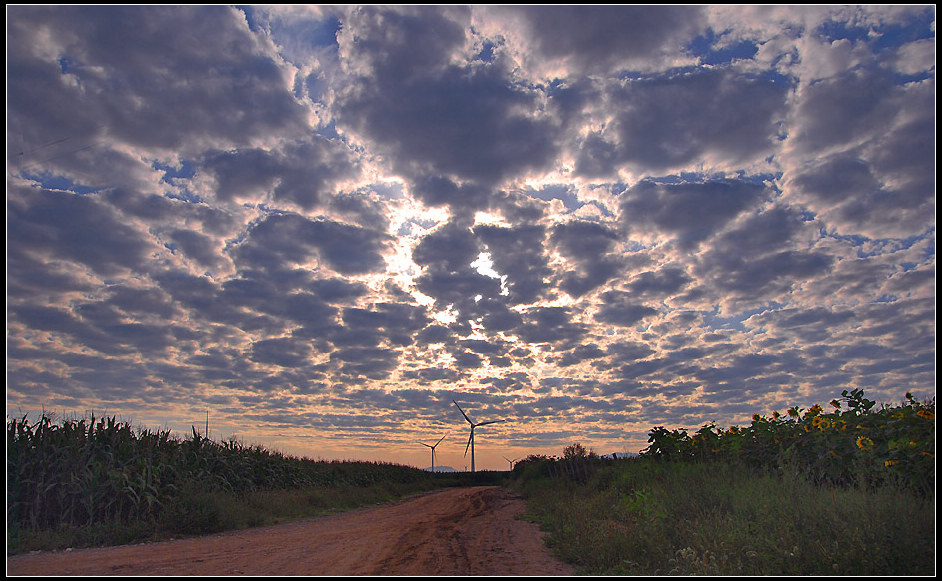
459,531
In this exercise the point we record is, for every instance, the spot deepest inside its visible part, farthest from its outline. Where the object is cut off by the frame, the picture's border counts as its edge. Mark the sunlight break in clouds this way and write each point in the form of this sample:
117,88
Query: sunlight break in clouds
322,224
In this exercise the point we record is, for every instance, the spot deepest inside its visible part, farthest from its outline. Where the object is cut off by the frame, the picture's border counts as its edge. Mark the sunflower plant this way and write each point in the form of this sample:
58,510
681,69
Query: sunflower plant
850,443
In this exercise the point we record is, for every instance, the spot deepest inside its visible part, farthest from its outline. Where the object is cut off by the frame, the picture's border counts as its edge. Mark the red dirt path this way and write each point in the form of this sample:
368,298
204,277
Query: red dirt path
459,531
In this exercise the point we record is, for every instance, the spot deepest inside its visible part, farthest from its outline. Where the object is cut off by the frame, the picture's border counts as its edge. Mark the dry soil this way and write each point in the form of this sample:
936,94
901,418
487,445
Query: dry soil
459,531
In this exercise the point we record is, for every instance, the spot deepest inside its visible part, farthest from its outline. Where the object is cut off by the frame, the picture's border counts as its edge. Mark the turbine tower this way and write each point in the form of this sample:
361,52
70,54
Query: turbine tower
433,449
471,438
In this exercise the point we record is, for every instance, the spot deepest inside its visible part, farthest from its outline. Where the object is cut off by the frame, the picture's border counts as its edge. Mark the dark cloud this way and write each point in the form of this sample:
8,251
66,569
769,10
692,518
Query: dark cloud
619,308
450,248
434,334
33,278
689,212
45,226
553,325
197,246
837,179
861,146
283,352
365,362
433,374
303,173
607,38
762,258
394,323
861,188
105,63
589,247
400,44
843,108
661,125
510,382
437,190
294,239
136,302
446,256
579,354
663,283
518,254
435,120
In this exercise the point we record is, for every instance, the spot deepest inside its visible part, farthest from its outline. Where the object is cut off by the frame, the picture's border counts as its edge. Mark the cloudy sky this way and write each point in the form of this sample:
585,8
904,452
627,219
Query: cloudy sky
323,224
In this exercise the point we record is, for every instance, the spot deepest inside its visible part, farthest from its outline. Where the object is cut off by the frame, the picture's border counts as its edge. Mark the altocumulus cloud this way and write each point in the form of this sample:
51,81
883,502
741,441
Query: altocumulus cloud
323,224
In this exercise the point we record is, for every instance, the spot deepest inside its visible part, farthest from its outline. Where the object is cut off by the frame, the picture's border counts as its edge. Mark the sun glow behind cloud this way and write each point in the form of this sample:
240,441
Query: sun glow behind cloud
323,224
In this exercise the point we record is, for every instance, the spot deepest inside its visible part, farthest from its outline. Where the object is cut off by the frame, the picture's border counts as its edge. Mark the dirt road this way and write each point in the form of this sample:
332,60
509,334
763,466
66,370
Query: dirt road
460,531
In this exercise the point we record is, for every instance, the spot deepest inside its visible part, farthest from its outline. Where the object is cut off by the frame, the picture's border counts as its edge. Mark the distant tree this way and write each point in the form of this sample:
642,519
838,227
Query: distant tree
577,450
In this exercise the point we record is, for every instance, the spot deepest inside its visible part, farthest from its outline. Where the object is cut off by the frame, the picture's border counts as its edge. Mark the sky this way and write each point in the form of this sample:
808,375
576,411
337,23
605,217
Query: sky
315,227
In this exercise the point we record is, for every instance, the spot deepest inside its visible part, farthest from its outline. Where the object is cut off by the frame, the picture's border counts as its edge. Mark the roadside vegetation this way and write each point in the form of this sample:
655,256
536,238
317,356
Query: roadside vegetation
96,481
842,489
847,491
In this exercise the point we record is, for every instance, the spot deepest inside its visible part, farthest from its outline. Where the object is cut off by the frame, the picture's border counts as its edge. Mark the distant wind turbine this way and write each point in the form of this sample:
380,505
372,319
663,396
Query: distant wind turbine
433,449
471,438
511,461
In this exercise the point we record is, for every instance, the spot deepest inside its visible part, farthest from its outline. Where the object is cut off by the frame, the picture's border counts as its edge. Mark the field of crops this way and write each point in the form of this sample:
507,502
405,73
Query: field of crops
100,474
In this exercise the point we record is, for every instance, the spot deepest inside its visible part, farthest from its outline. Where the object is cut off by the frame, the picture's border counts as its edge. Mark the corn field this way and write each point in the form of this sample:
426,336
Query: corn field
97,471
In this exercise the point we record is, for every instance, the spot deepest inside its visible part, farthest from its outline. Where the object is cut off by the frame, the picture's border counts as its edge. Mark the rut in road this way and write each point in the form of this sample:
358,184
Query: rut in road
460,531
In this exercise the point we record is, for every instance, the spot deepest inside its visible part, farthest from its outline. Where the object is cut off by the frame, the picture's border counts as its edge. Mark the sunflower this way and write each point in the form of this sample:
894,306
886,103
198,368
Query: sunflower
864,443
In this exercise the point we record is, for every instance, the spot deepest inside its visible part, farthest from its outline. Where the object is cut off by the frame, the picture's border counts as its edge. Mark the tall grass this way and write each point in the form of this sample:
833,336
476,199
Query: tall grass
851,492
91,481
637,517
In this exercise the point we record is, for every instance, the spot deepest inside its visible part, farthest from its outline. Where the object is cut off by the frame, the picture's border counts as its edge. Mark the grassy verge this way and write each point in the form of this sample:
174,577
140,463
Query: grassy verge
209,512
642,517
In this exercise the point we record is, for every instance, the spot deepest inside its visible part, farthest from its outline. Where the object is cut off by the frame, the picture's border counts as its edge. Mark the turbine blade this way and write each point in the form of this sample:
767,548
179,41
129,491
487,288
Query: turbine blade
491,422
471,437
462,412
440,440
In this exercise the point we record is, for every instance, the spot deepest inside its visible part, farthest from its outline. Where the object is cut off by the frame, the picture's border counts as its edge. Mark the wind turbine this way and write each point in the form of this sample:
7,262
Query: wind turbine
511,461
433,449
471,438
